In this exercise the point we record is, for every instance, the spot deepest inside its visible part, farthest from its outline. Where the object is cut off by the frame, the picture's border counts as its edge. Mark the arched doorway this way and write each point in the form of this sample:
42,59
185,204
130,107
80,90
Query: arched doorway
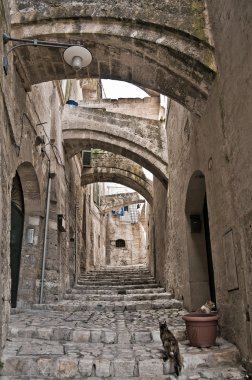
16,235
200,262
25,237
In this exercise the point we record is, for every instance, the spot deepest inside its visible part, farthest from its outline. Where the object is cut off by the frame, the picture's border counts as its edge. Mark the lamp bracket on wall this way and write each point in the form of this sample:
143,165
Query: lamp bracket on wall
75,55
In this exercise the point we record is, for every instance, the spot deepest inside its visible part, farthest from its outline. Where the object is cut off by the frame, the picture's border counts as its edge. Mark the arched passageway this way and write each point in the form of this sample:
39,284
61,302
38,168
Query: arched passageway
160,49
138,139
121,175
110,167
200,268
165,46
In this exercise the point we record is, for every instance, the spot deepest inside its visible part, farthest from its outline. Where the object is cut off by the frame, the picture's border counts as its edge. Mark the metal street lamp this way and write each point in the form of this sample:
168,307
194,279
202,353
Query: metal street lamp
75,55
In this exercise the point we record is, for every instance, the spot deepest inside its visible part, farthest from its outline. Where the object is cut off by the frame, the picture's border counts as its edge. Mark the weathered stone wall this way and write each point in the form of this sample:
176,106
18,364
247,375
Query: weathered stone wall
112,202
134,236
218,147
31,144
4,271
148,108
94,227
159,248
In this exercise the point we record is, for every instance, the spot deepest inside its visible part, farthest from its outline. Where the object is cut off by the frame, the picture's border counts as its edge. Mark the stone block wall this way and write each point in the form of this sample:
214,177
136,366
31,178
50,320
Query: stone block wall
134,236
148,107
31,145
5,185
215,149
94,232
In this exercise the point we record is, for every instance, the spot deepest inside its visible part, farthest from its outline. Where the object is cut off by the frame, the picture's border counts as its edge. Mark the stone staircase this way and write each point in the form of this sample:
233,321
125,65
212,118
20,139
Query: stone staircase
107,327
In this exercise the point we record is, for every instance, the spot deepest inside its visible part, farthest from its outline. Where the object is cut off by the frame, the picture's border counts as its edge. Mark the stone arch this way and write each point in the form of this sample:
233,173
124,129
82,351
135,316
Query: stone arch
120,176
109,167
31,243
139,139
164,46
200,264
116,146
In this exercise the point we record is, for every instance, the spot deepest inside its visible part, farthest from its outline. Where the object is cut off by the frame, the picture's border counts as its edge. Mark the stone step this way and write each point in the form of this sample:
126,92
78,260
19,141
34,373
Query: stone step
118,273
106,306
125,268
118,297
83,290
115,282
117,279
125,286
220,373
55,360
83,335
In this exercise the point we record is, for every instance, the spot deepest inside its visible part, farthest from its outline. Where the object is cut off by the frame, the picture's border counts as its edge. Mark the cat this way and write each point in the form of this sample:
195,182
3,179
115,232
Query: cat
207,308
171,347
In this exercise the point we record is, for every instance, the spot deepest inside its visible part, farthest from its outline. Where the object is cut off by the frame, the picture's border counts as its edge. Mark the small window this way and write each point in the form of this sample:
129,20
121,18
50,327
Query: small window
120,243
126,208
86,158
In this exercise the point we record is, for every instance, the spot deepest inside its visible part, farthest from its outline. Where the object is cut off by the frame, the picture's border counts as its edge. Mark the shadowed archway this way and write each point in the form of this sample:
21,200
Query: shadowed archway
31,243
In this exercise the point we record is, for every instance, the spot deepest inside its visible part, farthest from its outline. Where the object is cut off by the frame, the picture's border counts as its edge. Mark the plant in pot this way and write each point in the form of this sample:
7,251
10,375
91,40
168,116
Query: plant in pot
201,327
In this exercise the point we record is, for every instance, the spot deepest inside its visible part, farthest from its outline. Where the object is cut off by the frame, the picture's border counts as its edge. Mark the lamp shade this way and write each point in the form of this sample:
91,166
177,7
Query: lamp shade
77,57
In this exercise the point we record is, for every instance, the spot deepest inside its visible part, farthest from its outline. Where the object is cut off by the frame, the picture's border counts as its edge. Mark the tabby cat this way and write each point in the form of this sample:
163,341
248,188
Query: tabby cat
207,308
171,347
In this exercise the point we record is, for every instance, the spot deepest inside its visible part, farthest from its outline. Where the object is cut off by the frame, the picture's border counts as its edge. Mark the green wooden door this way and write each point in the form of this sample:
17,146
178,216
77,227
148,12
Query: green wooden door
16,235
17,223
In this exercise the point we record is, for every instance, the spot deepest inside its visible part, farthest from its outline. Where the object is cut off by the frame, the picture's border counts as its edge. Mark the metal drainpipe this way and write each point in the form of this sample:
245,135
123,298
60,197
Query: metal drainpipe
76,244
45,235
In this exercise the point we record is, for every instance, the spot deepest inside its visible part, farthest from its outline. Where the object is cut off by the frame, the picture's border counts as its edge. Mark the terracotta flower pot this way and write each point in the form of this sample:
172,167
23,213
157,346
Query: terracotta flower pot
201,329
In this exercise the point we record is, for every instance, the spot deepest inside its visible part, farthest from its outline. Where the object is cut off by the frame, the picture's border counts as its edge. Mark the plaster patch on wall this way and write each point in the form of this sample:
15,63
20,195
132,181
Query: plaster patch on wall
34,220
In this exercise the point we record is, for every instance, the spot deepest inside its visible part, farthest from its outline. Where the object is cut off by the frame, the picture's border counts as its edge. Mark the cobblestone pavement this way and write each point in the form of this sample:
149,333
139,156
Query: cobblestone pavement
118,337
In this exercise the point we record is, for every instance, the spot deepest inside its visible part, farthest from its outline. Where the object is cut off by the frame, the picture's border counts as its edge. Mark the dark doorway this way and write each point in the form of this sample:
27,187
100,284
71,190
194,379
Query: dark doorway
209,252
16,235
200,263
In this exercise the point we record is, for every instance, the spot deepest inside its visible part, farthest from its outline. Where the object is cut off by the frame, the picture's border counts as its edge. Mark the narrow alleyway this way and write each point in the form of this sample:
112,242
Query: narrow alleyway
107,327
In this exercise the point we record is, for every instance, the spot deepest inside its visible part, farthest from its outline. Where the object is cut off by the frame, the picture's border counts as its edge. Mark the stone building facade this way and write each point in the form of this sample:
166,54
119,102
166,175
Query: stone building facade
126,236
197,53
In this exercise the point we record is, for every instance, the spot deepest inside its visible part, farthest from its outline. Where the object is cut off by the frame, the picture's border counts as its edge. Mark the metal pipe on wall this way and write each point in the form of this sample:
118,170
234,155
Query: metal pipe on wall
45,235
76,244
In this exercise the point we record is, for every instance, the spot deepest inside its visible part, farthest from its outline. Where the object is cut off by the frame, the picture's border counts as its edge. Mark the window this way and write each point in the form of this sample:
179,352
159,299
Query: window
120,243
86,158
